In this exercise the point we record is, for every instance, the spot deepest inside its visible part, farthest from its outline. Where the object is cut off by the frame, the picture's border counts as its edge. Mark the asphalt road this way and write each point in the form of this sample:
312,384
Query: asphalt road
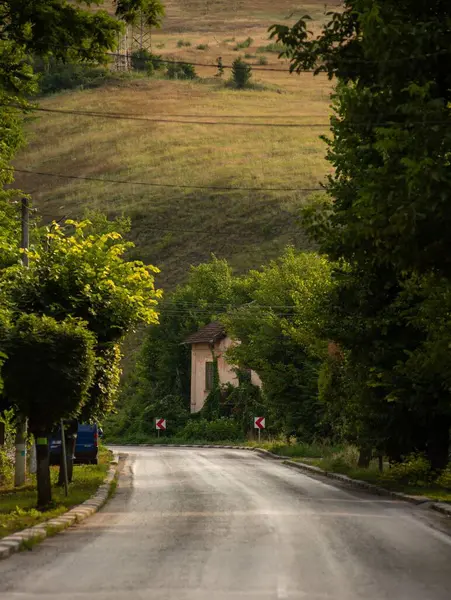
203,524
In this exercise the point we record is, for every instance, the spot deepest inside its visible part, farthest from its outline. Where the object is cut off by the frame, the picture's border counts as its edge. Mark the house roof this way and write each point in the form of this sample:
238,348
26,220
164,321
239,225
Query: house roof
207,335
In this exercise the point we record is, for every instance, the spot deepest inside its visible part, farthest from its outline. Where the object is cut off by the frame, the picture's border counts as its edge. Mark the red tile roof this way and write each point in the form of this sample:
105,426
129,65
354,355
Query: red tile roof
207,335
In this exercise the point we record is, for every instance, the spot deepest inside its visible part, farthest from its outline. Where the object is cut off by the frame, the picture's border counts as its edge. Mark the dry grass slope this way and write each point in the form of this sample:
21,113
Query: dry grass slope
176,227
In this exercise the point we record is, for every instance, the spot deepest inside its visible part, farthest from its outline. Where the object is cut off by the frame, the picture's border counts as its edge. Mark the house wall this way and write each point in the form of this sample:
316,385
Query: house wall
226,372
201,354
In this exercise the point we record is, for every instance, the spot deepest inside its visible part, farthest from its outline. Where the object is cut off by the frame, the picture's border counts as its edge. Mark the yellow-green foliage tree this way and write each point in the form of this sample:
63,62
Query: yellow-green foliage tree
80,276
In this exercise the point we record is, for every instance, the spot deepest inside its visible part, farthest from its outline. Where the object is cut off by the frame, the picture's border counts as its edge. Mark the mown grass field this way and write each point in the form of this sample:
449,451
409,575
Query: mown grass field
17,505
174,227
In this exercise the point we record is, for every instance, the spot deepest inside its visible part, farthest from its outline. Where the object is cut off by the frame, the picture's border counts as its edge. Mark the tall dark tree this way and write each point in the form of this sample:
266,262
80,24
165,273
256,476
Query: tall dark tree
47,375
391,189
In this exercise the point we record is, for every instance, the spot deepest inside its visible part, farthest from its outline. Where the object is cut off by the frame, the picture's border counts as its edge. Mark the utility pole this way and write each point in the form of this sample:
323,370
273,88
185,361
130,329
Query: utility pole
21,430
141,36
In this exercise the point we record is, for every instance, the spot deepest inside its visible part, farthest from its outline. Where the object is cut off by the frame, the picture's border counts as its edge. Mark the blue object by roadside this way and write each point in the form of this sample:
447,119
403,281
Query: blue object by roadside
86,448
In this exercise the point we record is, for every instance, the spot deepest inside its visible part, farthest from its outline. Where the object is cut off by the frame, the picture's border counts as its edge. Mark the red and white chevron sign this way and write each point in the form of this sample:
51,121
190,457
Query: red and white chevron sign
160,424
259,422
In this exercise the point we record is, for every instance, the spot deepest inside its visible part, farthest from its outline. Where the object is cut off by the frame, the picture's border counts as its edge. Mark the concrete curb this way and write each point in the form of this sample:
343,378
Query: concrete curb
441,507
34,535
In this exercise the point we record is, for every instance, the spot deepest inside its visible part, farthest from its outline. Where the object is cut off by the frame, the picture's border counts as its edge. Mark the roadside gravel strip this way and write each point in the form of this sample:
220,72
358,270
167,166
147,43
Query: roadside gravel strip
441,507
27,538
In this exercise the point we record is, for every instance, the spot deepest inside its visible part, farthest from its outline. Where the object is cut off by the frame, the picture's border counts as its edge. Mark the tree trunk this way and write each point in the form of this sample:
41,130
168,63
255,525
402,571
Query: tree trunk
381,463
364,457
43,471
439,443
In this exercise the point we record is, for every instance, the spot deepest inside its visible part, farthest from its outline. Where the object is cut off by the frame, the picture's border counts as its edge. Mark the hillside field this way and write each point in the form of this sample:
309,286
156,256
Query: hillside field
234,144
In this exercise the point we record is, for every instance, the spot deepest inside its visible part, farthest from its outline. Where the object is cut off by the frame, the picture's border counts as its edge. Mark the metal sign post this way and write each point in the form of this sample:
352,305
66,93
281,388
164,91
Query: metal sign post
259,424
64,455
160,425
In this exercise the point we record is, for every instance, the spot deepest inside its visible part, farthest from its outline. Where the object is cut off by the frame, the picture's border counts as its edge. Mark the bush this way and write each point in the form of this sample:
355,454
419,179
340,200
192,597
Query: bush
241,73
247,55
211,431
59,76
262,60
176,70
182,44
202,47
246,44
7,451
415,470
445,478
143,60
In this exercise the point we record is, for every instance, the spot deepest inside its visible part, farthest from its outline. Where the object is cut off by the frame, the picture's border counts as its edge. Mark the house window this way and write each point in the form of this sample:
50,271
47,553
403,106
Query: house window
209,376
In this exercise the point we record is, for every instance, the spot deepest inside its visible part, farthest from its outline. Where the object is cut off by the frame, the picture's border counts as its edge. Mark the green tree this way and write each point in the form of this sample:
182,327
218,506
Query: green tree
241,73
278,330
83,274
209,291
164,365
47,375
390,146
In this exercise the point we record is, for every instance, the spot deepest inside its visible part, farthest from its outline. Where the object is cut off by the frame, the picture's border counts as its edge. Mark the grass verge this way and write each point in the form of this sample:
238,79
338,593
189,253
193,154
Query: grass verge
372,475
17,506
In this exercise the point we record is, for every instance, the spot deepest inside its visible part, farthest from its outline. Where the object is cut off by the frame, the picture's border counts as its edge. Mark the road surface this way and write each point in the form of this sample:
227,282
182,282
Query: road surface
217,524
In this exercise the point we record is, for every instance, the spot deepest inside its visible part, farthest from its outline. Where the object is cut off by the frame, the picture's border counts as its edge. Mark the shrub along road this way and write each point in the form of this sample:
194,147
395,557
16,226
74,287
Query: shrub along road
196,524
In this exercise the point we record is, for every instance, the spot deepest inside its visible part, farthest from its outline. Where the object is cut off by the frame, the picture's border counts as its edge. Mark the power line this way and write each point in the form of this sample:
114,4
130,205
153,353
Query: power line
129,116
164,185
122,116
288,71
172,61
206,231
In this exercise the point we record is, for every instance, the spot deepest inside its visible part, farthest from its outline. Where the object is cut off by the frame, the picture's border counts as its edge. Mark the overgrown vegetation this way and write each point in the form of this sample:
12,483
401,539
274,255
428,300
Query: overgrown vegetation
179,70
56,76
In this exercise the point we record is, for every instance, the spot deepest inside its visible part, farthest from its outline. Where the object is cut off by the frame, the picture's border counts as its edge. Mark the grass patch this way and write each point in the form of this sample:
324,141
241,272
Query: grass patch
245,44
296,450
273,47
202,47
230,223
345,462
183,44
17,506
262,60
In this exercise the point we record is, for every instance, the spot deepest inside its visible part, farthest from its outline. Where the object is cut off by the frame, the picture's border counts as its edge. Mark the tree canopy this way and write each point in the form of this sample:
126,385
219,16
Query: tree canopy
385,220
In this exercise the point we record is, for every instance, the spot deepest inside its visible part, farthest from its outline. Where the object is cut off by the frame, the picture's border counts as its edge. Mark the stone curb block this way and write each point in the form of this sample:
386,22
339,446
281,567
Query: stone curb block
267,454
441,507
16,541
356,483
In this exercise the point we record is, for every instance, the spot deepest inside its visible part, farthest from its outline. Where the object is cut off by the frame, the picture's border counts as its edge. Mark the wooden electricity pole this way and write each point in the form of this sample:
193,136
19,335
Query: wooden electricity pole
21,428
